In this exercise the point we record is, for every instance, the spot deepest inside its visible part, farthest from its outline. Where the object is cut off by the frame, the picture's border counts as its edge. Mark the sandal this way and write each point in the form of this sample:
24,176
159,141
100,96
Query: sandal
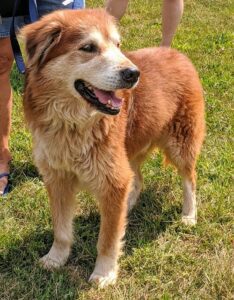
6,189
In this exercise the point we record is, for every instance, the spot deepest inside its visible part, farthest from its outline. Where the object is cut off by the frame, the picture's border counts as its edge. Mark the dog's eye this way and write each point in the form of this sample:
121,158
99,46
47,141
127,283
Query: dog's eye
89,48
118,45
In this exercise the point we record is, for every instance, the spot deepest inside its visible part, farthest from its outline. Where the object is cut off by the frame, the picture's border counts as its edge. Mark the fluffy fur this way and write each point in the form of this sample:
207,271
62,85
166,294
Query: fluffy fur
76,147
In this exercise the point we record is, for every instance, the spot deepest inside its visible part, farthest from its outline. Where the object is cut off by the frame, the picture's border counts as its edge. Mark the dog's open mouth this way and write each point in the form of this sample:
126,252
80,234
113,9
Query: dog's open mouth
104,101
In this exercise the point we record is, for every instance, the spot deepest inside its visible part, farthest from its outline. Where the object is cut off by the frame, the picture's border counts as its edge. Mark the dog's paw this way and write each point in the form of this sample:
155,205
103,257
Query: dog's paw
105,271
50,263
103,280
189,221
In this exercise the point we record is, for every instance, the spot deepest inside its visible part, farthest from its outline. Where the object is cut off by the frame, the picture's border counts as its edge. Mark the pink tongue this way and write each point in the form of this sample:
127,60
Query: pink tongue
104,96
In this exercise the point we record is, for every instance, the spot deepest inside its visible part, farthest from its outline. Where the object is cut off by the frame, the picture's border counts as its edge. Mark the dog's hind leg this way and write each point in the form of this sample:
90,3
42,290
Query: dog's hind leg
182,144
182,148
185,165
189,211
136,187
61,189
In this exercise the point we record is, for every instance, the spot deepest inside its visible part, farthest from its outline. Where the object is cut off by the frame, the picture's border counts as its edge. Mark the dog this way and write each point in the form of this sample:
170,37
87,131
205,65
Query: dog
95,113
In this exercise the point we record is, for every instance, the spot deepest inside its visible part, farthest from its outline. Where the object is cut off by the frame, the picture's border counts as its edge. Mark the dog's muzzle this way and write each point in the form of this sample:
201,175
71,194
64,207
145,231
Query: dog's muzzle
107,101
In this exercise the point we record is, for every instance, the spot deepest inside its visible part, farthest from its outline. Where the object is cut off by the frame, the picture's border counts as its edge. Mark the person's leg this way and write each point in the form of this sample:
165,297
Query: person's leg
172,12
116,8
171,15
6,60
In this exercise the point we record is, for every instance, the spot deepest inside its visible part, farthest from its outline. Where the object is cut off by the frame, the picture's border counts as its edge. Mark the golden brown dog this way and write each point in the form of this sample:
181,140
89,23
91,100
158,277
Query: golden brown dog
92,128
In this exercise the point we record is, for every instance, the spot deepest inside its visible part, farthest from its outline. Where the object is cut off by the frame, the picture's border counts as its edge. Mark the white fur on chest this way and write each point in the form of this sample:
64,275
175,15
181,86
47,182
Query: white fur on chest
76,152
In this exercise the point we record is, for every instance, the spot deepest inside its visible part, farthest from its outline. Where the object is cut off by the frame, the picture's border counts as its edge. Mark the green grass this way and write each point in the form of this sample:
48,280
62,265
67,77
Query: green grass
162,258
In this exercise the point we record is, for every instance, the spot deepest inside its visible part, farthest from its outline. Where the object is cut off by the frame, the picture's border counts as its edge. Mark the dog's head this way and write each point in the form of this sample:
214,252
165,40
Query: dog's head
79,51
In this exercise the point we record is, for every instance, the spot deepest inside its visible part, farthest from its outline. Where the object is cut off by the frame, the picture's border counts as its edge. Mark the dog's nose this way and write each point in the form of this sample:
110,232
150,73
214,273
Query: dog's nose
130,75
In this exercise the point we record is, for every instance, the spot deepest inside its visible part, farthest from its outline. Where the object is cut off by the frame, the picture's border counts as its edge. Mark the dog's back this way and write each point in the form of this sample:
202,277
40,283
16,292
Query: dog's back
168,100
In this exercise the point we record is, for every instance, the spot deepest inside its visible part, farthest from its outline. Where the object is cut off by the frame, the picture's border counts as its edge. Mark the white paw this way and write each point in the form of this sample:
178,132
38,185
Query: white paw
49,262
189,221
103,280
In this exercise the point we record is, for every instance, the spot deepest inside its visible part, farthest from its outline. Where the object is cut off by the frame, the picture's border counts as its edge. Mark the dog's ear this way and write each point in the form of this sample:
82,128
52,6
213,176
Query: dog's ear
40,38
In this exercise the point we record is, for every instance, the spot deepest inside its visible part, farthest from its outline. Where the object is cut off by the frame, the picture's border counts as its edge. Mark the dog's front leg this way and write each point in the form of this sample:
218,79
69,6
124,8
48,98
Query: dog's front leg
113,208
61,189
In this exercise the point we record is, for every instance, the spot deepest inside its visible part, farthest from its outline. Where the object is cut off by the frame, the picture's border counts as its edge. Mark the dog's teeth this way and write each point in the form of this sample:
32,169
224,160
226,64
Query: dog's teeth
109,102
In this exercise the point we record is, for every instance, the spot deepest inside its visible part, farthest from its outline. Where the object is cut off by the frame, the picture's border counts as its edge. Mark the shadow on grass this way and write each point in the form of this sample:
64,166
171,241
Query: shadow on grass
21,172
146,222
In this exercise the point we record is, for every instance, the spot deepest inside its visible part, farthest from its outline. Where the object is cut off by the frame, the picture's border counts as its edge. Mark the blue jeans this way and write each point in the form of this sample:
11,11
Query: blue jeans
44,7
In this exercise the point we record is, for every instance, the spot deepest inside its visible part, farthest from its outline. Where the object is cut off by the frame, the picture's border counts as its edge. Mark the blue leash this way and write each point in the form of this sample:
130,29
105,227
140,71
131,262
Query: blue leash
33,14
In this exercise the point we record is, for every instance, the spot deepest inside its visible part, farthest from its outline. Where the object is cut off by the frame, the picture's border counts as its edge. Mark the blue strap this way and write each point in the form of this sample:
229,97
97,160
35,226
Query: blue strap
33,12
6,189
4,175
14,43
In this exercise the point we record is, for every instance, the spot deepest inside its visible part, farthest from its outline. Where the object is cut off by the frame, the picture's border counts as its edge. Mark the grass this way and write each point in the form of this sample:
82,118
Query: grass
162,258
